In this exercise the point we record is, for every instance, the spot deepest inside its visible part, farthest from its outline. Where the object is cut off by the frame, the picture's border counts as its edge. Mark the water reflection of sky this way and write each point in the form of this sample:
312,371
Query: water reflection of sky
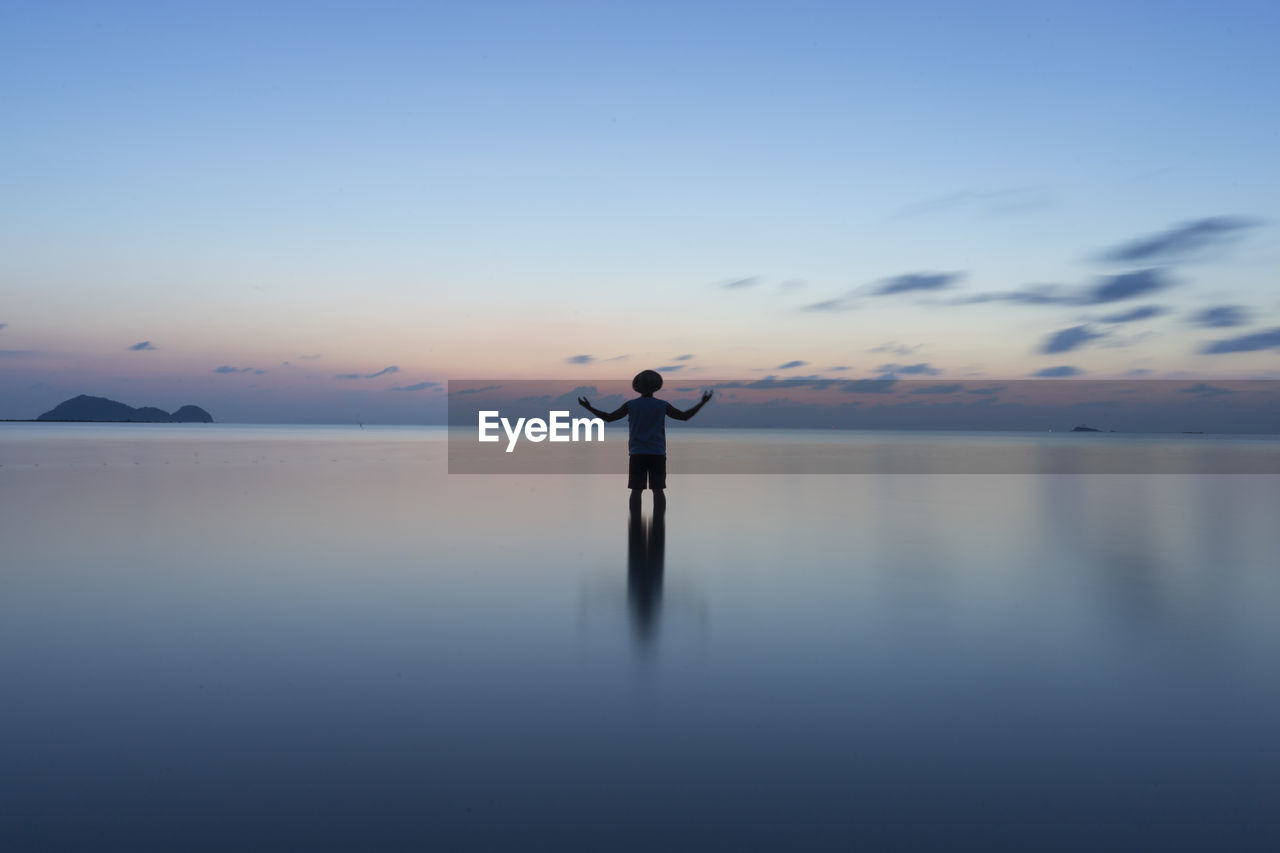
308,637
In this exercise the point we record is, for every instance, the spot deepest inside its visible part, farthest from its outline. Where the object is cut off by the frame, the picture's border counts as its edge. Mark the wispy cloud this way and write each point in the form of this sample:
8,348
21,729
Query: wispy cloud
1036,294
773,381
1270,339
994,202
1069,339
4,325
841,304
1115,288
671,368
914,282
383,372
479,390
1060,370
1133,315
420,386
1203,389
142,346
879,385
1221,316
909,282
1110,288
895,348
580,359
1115,341
688,357
791,365
740,283
226,368
1182,240
883,385
922,369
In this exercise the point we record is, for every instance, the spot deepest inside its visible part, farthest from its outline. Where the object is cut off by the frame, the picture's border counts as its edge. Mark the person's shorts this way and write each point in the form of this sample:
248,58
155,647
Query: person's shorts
647,470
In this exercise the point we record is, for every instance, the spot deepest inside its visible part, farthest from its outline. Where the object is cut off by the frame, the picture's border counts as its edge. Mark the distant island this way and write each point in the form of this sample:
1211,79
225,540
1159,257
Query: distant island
1085,429
102,410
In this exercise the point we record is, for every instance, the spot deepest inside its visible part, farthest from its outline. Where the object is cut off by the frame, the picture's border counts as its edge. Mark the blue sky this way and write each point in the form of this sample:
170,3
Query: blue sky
311,192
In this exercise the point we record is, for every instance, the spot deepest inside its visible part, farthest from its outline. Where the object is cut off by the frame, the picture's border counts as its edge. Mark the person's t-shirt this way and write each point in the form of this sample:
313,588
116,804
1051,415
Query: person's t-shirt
647,417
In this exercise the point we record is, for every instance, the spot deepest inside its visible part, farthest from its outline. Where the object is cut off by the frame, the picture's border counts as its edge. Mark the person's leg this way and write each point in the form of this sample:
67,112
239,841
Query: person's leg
658,482
637,477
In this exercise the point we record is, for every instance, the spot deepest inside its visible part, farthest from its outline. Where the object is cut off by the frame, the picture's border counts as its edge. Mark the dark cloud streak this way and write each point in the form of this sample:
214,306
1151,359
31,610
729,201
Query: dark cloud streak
909,282
1221,317
1203,389
383,372
895,348
1069,339
1111,288
829,305
921,369
1039,294
1181,240
1270,339
1126,286
1142,312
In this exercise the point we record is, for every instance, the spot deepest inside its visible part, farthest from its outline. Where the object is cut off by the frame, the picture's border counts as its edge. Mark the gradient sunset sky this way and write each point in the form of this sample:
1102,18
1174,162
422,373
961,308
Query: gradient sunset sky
322,211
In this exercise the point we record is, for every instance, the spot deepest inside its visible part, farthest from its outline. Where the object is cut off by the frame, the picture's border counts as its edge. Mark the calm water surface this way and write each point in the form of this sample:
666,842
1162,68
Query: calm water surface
314,638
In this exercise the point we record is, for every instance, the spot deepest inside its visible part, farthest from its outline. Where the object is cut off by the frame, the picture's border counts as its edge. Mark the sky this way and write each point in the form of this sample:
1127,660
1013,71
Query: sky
322,212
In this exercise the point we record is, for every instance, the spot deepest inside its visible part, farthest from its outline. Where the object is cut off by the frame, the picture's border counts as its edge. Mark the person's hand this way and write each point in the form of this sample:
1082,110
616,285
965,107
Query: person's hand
584,403
706,395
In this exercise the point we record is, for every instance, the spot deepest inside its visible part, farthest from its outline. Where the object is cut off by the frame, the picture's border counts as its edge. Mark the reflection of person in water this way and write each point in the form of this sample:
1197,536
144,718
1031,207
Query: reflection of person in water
647,416
646,543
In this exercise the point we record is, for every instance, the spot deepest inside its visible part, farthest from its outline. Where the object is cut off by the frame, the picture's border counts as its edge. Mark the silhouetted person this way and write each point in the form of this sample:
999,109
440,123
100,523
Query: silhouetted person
646,544
648,444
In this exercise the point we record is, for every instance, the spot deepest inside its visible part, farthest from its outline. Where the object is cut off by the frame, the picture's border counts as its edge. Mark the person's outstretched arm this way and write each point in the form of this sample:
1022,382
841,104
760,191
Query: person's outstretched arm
608,417
684,415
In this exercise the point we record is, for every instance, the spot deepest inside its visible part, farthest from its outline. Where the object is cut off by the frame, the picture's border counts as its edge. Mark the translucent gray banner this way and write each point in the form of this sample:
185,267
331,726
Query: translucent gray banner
884,425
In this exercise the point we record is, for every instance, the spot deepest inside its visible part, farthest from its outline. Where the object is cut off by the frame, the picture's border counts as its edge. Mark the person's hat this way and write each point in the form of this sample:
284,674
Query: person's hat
647,381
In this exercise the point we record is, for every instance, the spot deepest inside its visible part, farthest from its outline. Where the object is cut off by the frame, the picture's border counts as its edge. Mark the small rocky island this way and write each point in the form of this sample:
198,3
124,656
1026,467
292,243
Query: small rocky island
1085,429
102,410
